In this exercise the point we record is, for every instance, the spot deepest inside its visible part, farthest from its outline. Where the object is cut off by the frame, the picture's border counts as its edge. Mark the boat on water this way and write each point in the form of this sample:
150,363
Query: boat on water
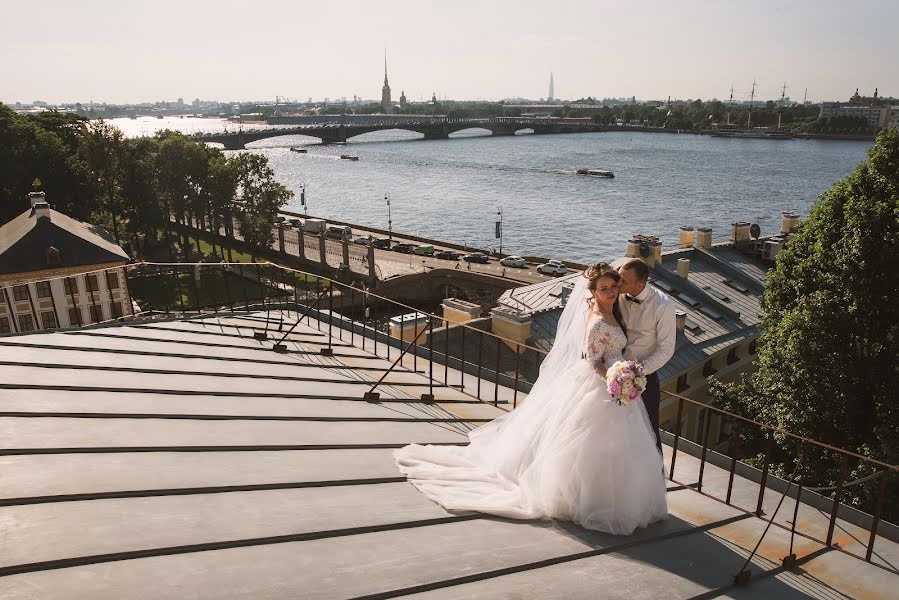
595,173
758,133
300,150
348,157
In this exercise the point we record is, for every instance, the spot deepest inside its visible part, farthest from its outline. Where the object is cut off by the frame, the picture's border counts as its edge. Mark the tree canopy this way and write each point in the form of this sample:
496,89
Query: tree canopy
133,187
828,361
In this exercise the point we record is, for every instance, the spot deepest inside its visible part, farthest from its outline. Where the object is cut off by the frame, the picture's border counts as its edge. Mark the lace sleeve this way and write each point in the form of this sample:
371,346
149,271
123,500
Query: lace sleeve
597,341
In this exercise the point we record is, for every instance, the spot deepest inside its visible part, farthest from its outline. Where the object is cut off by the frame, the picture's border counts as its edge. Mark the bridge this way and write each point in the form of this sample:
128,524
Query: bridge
340,128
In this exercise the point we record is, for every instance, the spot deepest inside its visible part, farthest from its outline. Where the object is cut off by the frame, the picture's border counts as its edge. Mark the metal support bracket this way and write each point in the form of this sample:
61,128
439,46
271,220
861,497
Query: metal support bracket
789,561
373,397
326,351
280,348
743,577
260,335
427,398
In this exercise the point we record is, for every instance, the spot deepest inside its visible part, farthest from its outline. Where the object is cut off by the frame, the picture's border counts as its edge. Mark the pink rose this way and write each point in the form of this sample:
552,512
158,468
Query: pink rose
614,388
632,395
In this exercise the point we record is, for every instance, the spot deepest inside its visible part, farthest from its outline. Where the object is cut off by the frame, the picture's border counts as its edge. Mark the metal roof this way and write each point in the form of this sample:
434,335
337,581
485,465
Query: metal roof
186,459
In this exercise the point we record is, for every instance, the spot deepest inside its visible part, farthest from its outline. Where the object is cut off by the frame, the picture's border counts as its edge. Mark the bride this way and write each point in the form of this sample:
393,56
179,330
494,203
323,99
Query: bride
569,451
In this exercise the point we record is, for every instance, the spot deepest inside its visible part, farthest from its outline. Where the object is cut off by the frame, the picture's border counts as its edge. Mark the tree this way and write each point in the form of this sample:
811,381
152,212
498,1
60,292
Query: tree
260,197
827,363
102,147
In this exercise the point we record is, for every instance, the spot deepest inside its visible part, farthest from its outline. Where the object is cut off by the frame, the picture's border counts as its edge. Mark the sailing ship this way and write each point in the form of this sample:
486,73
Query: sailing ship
735,131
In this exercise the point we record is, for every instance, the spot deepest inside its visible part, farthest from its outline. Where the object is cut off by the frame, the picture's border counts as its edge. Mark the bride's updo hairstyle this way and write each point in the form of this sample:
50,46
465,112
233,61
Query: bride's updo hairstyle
599,270
596,272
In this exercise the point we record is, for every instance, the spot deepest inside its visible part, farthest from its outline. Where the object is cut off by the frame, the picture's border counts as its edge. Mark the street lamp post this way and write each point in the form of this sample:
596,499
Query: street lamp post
303,198
499,227
389,221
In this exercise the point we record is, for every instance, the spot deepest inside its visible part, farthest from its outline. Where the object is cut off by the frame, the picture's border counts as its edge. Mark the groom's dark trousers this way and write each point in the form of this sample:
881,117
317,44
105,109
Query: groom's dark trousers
651,396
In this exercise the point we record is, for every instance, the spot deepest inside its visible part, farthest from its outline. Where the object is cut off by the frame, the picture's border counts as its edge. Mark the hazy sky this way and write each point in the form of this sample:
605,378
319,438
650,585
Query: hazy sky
141,50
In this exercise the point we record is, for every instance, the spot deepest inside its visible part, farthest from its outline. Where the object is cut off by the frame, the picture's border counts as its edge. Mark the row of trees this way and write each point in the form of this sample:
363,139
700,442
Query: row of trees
828,359
134,187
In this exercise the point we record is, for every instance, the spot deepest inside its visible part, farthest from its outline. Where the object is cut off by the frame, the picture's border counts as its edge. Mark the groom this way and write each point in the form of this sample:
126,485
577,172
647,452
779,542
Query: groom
649,318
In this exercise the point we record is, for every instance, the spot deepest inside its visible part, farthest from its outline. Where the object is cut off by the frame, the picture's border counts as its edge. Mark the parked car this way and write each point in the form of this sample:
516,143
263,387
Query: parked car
383,243
448,255
340,232
295,223
513,261
424,250
364,240
403,247
552,267
476,257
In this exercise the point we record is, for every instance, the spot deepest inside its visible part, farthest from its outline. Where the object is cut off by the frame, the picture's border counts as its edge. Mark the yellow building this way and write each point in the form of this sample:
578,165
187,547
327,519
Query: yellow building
56,271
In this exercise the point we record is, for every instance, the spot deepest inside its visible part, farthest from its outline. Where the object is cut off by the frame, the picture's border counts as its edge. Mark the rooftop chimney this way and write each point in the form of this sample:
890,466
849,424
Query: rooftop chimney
40,210
683,267
789,220
680,319
739,232
36,197
704,237
685,240
645,247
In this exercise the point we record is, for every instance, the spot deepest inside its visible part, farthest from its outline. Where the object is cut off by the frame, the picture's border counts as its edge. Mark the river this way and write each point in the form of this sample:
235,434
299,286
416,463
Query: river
451,189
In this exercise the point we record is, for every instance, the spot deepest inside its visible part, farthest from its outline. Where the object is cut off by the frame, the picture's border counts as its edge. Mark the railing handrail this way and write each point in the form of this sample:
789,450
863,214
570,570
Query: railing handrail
366,291
780,431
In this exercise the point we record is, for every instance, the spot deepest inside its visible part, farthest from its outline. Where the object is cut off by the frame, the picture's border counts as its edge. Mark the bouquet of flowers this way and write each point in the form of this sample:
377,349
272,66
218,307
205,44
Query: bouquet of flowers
625,381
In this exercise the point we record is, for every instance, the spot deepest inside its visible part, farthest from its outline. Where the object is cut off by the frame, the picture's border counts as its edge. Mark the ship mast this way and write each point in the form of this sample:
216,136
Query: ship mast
783,94
751,98
730,103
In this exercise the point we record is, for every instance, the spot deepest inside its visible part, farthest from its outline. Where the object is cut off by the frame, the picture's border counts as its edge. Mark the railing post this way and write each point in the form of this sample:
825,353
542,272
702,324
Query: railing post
225,276
677,432
329,351
764,481
429,397
705,447
836,499
517,373
733,462
415,343
353,321
878,508
480,359
462,359
496,374
446,352
178,287
246,293
790,559
198,272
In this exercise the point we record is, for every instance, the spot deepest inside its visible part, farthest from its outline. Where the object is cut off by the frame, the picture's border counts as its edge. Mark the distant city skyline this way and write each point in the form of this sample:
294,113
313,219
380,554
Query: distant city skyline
228,51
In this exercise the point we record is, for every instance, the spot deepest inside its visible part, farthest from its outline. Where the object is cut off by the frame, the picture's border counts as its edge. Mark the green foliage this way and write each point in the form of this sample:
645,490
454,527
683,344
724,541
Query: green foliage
133,187
827,363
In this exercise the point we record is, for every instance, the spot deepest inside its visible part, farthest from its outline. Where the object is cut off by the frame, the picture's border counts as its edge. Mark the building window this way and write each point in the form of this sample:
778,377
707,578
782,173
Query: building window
96,313
92,283
116,309
43,289
708,369
75,317
52,256
4,325
71,286
732,356
26,323
753,346
20,292
113,280
48,320
682,383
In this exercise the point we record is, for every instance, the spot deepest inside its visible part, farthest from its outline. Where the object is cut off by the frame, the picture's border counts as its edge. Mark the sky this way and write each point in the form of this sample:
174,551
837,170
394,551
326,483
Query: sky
128,51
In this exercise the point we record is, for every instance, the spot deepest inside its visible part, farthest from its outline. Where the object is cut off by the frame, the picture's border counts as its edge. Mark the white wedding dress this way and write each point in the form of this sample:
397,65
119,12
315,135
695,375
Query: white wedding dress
568,452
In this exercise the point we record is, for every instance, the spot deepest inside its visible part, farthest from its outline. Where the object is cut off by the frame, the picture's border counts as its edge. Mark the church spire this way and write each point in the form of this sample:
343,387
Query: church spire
386,103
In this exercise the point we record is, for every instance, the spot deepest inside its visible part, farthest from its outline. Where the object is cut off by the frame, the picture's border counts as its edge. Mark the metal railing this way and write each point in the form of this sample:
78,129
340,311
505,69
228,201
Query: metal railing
493,369
743,436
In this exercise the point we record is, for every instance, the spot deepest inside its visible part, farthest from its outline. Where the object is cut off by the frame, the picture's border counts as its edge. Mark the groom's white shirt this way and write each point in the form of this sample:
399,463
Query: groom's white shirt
651,330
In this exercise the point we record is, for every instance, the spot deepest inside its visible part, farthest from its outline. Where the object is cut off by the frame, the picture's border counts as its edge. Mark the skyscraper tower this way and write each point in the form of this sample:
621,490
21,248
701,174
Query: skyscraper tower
385,91
551,91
